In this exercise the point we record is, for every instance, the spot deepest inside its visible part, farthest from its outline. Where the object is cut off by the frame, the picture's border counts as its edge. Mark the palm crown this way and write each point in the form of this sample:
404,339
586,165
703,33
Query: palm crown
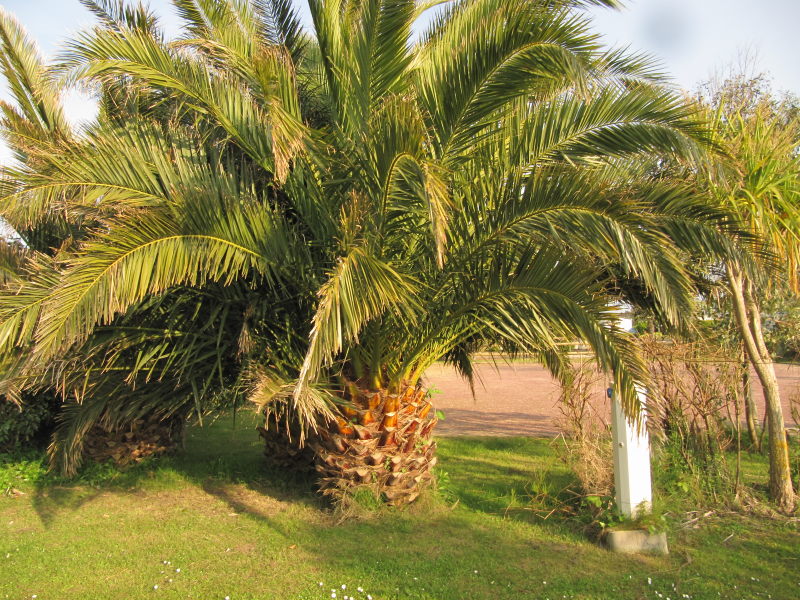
365,202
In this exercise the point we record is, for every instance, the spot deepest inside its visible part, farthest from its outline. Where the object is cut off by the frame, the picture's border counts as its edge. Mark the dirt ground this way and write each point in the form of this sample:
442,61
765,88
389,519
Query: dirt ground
521,399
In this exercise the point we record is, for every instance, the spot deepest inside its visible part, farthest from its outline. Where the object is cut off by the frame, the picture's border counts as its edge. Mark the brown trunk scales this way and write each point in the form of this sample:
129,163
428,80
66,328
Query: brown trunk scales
149,436
380,441
282,448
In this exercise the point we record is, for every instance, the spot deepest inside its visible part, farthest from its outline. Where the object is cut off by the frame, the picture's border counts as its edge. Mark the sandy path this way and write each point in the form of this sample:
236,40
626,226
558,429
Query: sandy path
521,399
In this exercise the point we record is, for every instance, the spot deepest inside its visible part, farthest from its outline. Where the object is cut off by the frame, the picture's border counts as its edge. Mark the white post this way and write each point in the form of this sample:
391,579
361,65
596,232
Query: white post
633,487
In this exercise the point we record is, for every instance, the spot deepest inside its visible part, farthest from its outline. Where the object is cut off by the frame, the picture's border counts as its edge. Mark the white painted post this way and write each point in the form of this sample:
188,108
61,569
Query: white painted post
632,483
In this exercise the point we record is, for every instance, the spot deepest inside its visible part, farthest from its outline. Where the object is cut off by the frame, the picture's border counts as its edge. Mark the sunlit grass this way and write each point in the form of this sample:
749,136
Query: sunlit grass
237,529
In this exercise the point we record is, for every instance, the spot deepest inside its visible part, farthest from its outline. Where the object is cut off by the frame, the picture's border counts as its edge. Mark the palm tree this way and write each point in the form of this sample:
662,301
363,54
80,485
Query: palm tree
33,119
163,359
393,203
760,181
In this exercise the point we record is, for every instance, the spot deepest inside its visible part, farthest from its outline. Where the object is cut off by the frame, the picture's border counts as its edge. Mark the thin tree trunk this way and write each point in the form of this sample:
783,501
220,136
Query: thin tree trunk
737,485
750,411
748,320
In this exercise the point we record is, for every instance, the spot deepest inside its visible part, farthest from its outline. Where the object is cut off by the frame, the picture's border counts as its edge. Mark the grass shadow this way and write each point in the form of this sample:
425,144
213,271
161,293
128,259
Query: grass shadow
224,459
496,476
519,479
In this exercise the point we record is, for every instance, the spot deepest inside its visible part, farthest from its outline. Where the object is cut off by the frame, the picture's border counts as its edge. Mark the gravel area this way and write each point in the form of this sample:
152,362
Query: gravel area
520,399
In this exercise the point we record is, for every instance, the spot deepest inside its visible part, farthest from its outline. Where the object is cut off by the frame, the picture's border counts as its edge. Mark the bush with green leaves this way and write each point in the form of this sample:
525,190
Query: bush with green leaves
20,427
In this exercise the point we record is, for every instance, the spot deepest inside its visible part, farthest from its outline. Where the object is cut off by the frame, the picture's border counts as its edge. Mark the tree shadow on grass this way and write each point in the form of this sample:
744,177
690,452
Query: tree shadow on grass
444,554
50,500
518,479
494,476
223,459
476,539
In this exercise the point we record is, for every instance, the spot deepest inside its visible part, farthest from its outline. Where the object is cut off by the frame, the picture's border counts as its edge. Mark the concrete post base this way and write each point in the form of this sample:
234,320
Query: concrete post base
637,541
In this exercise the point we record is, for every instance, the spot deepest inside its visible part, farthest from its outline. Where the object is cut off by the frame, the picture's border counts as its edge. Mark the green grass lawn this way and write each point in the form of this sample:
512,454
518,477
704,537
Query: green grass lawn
213,522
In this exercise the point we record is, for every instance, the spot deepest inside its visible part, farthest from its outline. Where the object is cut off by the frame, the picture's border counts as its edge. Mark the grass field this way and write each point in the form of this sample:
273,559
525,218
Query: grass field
213,523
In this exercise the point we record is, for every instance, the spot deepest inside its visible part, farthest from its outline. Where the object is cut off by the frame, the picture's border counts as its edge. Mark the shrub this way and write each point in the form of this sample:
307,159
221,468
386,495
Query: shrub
695,410
26,425
694,405
587,447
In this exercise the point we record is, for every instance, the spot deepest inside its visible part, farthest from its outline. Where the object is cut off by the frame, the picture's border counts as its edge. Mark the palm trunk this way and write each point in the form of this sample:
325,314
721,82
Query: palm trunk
281,445
382,443
140,439
748,320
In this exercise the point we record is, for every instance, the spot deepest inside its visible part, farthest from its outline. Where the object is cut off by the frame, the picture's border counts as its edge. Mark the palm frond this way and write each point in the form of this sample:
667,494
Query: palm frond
609,123
21,304
469,69
116,14
268,130
13,257
25,73
117,270
359,289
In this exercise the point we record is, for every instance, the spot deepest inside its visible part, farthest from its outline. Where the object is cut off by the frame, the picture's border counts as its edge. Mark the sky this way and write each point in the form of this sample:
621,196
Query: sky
697,39
692,39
